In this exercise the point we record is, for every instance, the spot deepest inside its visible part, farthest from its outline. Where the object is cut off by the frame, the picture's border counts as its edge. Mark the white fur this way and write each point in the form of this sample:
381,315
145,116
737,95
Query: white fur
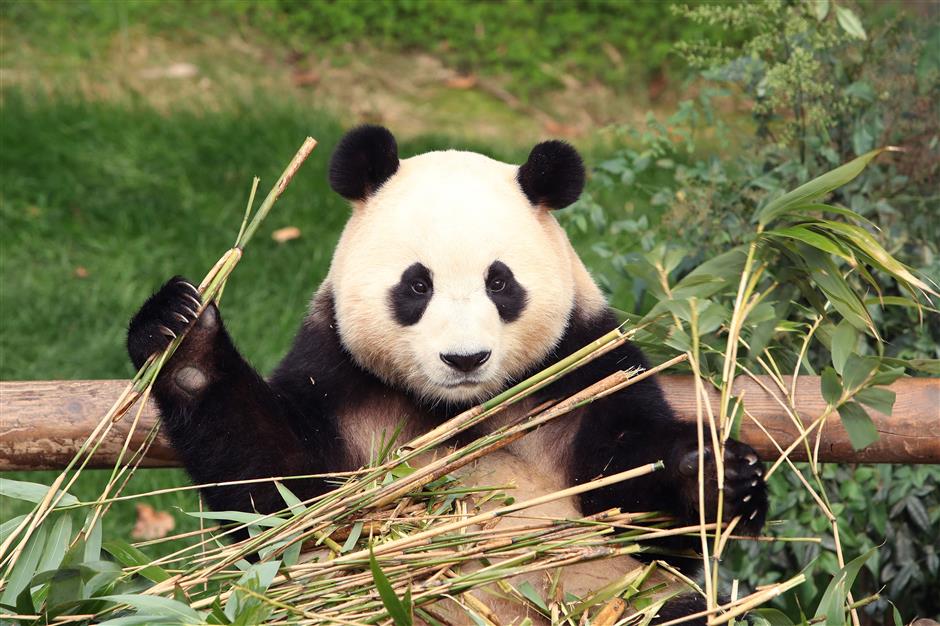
456,213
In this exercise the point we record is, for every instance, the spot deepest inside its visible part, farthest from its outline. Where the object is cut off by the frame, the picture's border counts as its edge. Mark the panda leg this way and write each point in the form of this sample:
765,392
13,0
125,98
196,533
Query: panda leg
224,421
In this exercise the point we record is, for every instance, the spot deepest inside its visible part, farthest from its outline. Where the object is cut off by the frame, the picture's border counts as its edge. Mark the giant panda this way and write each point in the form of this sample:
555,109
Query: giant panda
451,280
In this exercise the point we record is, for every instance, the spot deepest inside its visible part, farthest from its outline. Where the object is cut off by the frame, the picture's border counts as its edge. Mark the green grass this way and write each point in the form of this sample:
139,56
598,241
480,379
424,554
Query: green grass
134,196
531,43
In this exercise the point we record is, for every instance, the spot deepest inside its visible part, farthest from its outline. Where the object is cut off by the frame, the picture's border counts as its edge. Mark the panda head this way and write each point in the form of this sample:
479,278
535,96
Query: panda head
452,278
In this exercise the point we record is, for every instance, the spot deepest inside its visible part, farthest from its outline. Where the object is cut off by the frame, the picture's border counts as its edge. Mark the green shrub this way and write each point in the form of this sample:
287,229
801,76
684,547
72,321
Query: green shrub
818,94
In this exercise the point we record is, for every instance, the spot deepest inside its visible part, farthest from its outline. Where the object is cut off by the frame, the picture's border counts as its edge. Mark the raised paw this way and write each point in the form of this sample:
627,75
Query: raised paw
745,493
164,316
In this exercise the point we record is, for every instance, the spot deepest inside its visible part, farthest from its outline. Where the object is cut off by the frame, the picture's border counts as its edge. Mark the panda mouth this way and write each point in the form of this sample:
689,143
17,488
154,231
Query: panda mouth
467,382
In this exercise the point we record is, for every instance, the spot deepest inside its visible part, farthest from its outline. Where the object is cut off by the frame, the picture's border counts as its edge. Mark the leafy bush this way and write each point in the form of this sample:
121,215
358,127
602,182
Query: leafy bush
820,89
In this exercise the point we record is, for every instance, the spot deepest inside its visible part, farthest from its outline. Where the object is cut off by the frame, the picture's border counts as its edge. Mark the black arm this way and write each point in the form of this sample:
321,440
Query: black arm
224,421
637,426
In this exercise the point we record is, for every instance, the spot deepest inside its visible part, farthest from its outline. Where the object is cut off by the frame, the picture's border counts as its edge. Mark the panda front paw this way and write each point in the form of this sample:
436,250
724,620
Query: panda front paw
164,316
745,493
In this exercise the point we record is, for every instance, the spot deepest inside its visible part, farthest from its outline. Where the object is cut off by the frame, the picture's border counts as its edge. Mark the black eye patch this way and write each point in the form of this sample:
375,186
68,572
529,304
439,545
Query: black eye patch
505,291
410,297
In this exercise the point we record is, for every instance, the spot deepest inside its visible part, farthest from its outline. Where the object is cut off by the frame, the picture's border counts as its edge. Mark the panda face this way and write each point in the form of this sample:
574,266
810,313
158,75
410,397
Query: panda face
448,282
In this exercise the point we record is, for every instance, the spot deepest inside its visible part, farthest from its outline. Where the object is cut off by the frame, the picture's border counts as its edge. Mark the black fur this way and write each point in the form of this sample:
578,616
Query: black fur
681,606
553,175
236,426
505,291
365,158
407,299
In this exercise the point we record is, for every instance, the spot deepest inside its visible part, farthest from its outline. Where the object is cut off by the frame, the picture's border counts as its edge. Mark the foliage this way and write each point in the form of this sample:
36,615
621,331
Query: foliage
703,203
889,507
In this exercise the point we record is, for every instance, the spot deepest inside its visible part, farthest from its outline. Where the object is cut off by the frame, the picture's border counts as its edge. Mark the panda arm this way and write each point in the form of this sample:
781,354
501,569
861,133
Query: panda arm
636,427
223,420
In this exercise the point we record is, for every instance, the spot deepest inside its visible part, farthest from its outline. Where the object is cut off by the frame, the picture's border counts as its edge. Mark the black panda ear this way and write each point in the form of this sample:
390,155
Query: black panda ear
365,158
553,177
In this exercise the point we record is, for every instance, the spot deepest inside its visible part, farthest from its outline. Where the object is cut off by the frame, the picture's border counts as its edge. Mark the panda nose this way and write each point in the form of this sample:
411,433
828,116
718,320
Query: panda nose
466,362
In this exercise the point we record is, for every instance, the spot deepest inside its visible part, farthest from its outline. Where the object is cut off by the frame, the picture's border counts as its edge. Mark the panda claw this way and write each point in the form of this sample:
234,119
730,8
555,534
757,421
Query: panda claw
196,303
190,286
166,331
192,314
181,317
751,459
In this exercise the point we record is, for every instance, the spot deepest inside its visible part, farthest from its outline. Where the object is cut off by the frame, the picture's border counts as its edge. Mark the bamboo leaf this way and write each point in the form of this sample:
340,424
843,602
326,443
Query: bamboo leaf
10,525
819,207
816,188
25,567
858,369
888,375
882,258
241,517
770,617
858,425
877,398
832,604
850,22
136,620
353,537
829,279
65,589
844,340
817,240
92,549
158,606
130,556
831,387
293,502
57,543
930,366
396,610
31,492
530,594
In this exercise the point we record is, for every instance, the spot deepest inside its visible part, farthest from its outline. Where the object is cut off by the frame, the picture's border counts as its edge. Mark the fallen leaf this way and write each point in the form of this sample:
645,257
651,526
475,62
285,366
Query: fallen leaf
308,78
283,235
81,272
461,82
152,524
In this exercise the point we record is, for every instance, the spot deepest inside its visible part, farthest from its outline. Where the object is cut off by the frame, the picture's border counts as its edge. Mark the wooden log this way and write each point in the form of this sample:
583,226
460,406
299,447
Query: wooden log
43,423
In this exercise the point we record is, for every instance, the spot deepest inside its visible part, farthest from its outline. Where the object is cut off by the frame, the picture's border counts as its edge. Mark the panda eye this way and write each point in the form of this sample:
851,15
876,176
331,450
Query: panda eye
496,285
419,287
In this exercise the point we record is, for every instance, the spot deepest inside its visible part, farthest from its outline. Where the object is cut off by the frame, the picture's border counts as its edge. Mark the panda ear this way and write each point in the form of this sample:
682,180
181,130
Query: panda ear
553,177
365,158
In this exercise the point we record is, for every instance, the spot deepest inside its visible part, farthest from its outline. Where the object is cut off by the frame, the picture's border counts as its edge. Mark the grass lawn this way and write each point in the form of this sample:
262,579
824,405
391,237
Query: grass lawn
101,203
